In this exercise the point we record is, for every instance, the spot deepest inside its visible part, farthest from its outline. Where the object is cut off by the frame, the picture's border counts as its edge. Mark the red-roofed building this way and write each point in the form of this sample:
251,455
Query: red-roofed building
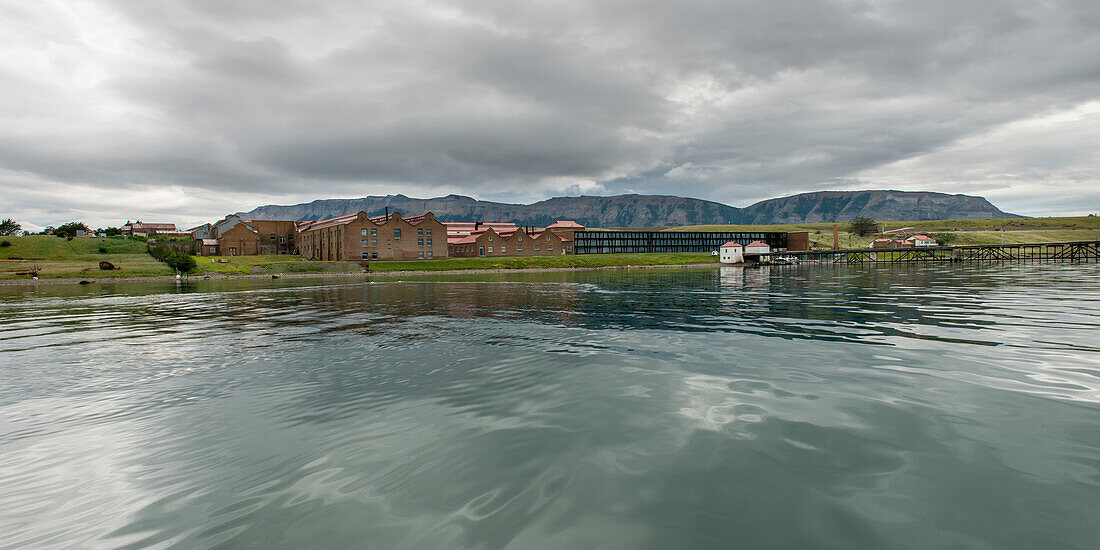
757,247
921,240
732,252
361,237
517,242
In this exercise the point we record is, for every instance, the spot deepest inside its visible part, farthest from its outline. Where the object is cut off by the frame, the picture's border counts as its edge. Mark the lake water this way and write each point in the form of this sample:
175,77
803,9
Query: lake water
916,406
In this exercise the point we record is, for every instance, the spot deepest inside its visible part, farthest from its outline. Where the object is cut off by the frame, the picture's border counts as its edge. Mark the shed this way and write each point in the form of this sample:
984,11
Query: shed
731,253
757,247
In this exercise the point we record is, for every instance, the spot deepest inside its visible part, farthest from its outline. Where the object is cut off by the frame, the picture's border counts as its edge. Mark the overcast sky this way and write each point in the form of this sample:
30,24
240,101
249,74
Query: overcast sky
184,111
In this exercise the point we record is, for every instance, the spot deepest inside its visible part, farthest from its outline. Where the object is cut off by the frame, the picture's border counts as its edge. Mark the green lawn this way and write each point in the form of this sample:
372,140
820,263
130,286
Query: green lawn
280,263
78,258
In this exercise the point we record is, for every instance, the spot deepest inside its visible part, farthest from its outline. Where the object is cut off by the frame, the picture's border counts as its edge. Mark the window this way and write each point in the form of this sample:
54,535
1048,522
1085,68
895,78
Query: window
366,255
429,242
428,232
490,250
490,237
420,242
374,232
503,249
232,251
282,240
536,247
420,232
519,248
549,247
364,232
366,243
374,255
548,237
396,233
481,251
374,242
429,252
420,255
519,237
272,237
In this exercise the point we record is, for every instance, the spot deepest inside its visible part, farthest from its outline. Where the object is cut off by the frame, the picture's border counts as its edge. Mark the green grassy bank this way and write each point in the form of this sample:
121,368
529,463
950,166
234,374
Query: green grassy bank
78,258
290,264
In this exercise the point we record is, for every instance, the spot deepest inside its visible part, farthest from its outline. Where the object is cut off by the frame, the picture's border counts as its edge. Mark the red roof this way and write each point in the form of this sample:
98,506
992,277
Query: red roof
731,244
561,224
920,237
757,243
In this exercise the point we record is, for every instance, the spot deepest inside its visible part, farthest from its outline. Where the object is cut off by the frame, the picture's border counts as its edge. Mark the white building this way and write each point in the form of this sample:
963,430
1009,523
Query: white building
921,240
757,247
731,253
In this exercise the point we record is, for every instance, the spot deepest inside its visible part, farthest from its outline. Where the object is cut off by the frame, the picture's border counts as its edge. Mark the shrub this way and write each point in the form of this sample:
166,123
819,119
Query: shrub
5,244
182,262
944,239
103,250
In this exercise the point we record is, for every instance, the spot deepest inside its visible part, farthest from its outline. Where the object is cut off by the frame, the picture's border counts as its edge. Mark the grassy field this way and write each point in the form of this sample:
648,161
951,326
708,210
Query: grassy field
244,265
78,258
1022,230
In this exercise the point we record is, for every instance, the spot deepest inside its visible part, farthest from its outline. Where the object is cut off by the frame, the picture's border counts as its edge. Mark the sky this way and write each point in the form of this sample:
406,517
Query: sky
116,110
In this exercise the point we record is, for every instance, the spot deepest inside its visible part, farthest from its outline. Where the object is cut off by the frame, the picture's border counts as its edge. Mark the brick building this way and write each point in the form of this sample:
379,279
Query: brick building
253,237
360,237
491,242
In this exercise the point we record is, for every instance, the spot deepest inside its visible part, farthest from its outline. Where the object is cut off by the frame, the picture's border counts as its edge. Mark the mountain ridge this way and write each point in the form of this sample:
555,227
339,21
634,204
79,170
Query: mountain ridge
635,210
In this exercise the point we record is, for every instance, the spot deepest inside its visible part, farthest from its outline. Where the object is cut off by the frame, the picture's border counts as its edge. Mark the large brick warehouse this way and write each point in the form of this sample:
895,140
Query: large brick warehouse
361,237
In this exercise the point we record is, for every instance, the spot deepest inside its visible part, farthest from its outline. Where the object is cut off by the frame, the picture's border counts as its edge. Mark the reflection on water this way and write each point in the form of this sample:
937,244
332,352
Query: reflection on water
792,407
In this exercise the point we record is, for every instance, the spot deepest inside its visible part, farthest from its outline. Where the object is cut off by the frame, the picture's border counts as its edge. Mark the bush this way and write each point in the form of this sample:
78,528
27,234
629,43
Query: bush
184,263
944,239
103,250
5,244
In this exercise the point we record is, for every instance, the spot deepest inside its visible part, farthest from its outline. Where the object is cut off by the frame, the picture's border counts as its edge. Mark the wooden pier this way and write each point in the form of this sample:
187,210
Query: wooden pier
1074,252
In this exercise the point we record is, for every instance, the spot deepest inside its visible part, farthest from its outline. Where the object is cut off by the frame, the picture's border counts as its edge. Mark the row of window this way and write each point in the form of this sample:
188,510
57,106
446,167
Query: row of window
396,232
374,242
419,255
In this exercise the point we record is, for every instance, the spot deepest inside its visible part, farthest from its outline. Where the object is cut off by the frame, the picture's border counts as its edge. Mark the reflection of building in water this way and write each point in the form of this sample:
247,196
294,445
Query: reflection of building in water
731,277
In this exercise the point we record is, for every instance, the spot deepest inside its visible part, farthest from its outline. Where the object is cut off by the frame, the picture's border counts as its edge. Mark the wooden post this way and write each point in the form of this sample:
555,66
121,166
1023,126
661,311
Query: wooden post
836,238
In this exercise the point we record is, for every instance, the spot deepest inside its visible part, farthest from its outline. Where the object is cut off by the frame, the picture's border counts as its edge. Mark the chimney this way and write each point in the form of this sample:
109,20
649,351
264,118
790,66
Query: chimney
387,213
476,225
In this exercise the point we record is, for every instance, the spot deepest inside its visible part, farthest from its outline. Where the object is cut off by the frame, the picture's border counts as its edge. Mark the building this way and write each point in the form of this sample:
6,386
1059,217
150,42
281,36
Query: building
464,229
204,231
207,247
887,244
626,242
225,224
757,247
921,241
731,253
490,242
254,237
360,237
147,229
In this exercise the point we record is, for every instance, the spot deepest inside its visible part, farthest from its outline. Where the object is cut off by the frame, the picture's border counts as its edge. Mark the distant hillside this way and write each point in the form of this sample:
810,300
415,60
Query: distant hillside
657,210
843,206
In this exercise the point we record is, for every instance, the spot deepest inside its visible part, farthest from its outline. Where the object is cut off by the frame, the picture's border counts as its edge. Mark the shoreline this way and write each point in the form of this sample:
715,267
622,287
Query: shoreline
321,275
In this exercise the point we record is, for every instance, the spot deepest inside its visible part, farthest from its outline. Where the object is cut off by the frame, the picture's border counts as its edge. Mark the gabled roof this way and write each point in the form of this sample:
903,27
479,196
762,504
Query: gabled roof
563,224
348,218
732,244
920,237
757,243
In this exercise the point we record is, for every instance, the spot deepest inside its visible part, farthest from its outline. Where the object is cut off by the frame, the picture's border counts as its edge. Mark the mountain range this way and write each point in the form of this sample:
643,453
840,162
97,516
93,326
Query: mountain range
657,210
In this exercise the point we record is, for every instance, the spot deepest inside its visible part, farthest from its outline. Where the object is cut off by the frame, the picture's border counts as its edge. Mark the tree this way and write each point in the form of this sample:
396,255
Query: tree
109,231
8,227
70,229
863,226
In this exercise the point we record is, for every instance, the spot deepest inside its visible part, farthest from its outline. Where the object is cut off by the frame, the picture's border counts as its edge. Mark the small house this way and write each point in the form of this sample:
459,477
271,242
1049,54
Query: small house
757,247
731,253
921,240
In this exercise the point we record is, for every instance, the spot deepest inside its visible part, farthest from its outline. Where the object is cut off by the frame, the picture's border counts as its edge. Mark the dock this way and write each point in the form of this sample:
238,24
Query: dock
1071,252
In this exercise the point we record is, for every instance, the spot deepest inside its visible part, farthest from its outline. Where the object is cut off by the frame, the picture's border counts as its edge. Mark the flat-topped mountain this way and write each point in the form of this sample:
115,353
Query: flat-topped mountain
657,210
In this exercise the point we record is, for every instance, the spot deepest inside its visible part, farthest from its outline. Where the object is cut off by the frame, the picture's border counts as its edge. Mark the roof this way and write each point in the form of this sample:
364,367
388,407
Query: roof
757,243
921,237
564,224
210,242
156,226
731,244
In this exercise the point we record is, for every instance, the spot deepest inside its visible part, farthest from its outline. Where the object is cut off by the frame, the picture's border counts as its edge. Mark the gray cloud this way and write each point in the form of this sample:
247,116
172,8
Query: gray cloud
275,101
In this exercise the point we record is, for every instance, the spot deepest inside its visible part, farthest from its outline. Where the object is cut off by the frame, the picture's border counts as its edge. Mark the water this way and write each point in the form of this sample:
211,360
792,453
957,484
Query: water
798,407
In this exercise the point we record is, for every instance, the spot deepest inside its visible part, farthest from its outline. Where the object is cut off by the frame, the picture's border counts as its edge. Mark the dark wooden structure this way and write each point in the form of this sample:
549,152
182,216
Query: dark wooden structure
1081,251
